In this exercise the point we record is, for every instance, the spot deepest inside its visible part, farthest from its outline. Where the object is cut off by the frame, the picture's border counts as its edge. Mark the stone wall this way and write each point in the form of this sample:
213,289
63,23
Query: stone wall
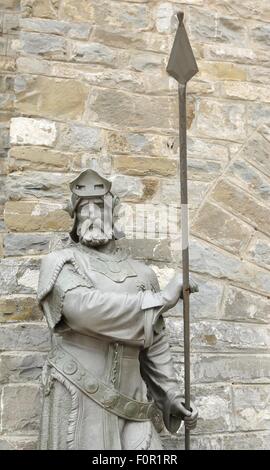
91,90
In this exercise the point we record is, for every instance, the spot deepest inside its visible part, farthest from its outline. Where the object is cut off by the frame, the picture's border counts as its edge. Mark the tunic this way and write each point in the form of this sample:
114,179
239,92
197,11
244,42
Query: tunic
110,355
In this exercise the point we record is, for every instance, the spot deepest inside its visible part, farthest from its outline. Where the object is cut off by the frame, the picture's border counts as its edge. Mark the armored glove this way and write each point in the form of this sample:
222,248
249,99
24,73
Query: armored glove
190,417
174,411
174,290
169,296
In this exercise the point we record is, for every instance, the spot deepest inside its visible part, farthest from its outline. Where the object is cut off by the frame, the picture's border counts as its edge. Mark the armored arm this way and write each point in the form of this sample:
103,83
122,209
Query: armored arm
158,372
86,309
157,367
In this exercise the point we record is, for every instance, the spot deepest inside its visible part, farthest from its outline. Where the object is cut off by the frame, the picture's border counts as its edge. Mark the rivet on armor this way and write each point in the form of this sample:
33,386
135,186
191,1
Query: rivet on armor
70,367
109,400
90,386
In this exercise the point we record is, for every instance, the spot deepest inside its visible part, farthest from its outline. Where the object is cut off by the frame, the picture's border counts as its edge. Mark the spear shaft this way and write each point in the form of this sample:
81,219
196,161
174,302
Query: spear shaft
185,250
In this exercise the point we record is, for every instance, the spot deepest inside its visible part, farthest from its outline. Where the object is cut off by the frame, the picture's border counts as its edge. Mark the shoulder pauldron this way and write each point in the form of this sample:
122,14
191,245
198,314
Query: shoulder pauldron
51,267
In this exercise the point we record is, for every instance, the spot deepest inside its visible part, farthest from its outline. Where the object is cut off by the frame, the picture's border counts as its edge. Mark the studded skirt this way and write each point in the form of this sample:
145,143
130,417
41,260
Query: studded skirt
72,420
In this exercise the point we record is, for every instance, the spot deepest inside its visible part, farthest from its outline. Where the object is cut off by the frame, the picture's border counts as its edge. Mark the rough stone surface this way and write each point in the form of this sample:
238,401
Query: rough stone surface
250,403
203,170
122,143
1,246
19,308
243,205
23,216
244,174
221,228
221,336
38,158
148,112
246,91
240,368
157,250
93,53
148,41
257,115
215,404
260,159
221,120
8,442
206,259
143,166
84,84
242,306
259,251
38,8
222,71
16,417
19,275
72,10
20,367
24,337
36,185
46,45
75,137
25,131
230,441
52,98
61,28
235,54
31,244
129,17
128,187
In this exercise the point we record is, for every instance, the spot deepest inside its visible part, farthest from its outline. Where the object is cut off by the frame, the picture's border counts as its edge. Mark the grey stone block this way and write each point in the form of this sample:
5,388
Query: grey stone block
20,408
24,337
20,366
240,305
10,442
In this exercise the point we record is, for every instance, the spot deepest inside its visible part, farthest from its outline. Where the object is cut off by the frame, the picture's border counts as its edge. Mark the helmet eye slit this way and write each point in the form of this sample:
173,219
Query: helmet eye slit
98,186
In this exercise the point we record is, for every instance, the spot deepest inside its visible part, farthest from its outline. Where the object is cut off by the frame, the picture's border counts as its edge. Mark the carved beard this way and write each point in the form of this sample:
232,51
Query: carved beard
90,235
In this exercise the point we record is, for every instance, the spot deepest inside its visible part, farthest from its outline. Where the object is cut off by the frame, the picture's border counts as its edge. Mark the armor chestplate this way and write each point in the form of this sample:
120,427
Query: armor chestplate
115,362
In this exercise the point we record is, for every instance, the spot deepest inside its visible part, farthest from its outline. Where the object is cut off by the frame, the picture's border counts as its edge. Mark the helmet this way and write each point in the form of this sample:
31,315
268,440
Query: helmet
89,184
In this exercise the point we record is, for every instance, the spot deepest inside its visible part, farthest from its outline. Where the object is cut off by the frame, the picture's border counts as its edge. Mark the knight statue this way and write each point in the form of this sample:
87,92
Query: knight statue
108,381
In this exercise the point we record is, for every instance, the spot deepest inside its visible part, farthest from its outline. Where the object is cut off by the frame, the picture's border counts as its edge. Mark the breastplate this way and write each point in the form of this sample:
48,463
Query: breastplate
115,267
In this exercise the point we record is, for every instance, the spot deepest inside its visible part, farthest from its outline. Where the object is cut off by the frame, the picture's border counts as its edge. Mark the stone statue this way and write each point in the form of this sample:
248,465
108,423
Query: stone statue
108,381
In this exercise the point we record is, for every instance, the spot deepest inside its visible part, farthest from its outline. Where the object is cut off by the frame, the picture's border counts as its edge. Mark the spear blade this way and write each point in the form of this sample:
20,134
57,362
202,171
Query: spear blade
182,65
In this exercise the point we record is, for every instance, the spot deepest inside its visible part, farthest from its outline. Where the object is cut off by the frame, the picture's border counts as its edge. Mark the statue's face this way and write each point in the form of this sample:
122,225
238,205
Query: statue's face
94,222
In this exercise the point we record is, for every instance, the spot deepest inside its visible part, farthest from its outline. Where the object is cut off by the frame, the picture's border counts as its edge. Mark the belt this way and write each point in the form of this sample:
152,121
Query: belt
109,398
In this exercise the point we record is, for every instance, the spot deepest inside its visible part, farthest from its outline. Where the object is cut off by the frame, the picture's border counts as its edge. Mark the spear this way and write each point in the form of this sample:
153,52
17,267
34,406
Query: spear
182,66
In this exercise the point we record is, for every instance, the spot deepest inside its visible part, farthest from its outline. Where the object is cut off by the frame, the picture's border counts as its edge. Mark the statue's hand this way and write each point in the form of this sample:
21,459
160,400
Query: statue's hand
190,417
193,287
174,290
